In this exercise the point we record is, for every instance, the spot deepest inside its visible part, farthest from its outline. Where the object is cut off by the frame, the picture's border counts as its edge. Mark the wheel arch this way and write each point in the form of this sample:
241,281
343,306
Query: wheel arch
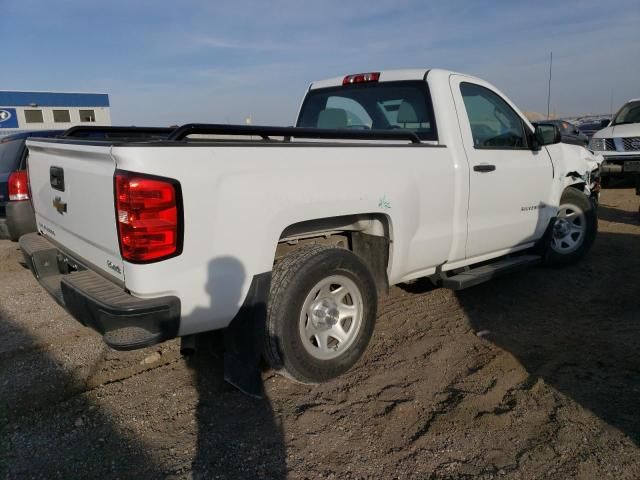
368,235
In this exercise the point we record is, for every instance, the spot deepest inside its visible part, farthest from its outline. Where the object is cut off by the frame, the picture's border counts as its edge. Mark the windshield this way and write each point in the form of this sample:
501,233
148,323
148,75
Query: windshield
629,113
380,106
10,155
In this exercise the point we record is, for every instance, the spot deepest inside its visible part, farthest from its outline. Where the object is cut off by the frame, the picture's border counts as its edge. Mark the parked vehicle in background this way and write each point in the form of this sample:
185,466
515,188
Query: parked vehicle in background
286,244
638,188
569,132
619,143
16,213
589,128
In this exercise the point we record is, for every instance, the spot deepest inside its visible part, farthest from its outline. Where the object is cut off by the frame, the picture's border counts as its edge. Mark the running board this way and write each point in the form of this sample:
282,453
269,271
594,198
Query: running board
478,275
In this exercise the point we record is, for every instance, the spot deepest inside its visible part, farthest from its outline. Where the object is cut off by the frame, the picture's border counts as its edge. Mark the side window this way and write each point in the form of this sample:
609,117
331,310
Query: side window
61,116
493,122
33,116
87,116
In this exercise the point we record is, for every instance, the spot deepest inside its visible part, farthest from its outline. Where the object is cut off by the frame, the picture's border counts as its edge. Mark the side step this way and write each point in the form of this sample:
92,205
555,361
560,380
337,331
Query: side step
479,275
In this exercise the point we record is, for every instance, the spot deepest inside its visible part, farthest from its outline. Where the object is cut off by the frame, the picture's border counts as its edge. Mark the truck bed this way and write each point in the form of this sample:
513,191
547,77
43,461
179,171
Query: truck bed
238,200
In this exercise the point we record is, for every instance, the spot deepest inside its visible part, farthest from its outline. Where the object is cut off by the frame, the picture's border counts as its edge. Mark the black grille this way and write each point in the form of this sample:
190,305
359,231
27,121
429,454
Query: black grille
631,144
608,144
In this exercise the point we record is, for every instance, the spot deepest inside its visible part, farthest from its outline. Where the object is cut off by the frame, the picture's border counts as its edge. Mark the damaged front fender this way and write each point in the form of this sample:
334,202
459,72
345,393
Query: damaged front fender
577,167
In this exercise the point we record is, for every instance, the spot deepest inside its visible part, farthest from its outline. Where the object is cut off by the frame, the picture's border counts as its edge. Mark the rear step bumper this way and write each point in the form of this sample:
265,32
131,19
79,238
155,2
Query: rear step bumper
125,322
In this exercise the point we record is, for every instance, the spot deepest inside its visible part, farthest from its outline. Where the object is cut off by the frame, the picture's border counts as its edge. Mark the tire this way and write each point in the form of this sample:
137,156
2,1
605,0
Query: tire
306,309
574,230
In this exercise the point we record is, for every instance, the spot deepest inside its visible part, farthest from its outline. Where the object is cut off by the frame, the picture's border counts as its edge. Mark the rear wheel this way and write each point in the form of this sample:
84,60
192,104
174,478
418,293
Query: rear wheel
574,230
321,313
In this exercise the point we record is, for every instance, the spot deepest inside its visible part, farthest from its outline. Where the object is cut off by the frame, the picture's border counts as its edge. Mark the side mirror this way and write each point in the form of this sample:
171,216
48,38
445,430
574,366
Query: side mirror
546,134
604,123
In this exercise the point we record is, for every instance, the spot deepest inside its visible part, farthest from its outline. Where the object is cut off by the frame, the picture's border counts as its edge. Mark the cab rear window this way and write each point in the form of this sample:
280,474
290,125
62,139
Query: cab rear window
371,106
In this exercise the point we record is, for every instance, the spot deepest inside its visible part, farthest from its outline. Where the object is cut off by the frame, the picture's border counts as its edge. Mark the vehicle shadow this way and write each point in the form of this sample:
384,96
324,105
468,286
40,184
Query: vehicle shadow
50,429
616,215
577,328
52,426
238,435
615,183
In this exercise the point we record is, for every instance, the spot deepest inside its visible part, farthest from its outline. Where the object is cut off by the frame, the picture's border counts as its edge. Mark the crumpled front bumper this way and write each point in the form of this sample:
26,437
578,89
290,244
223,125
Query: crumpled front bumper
620,165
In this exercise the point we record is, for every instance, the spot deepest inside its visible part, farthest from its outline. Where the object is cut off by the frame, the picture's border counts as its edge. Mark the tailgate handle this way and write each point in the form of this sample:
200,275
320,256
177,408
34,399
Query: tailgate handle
56,178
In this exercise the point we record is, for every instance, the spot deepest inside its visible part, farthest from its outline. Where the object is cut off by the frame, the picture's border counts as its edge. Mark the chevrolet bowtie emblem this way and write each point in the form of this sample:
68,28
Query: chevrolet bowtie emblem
59,205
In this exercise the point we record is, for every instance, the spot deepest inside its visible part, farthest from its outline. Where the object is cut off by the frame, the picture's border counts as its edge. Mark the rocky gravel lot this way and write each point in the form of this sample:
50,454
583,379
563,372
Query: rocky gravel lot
535,375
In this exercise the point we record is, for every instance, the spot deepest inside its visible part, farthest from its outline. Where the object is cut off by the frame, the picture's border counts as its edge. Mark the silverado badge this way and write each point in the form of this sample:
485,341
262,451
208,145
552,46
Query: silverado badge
59,205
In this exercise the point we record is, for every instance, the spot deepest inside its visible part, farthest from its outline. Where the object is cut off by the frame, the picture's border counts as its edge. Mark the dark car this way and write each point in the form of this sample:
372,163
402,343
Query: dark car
569,132
589,128
16,212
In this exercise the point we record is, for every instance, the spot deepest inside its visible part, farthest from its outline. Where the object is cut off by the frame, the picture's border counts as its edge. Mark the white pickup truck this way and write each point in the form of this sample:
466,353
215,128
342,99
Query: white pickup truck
387,177
619,143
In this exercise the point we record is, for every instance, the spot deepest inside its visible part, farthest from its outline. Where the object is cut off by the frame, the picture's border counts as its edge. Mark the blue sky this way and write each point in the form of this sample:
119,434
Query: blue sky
215,61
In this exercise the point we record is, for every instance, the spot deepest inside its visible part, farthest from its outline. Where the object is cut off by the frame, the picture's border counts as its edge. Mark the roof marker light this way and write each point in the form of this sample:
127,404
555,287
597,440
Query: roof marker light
361,78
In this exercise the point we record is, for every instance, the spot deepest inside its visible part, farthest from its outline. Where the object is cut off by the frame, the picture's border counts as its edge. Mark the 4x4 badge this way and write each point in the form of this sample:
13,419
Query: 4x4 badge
59,205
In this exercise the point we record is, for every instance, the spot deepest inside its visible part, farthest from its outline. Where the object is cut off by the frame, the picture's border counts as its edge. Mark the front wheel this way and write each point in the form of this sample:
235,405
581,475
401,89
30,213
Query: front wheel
574,230
321,313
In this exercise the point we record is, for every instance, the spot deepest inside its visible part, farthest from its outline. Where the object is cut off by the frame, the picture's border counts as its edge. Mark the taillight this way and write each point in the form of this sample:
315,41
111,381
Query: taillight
19,185
361,78
148,216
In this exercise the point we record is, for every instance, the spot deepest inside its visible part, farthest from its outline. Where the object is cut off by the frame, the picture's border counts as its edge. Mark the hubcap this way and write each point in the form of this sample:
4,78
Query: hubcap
569,229
331,317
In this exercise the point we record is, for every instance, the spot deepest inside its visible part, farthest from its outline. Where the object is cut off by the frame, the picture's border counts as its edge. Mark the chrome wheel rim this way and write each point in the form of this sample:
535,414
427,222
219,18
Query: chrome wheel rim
331,317
569,229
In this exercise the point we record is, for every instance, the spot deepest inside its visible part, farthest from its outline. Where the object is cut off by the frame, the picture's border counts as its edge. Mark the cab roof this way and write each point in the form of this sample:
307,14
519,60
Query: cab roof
385,76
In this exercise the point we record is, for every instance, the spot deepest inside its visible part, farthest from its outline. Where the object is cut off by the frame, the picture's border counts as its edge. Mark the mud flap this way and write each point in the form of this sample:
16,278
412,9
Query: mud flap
542,246
244,339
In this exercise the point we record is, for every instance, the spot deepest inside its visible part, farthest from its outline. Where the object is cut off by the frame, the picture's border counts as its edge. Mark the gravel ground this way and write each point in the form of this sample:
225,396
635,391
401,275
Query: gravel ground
535,375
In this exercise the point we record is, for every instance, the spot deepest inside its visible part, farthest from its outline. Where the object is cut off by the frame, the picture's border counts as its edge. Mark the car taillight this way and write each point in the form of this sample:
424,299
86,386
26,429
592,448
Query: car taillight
148,216
361,78
18,186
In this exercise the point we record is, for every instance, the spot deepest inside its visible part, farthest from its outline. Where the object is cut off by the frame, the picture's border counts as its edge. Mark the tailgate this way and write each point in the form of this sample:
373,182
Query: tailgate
73,197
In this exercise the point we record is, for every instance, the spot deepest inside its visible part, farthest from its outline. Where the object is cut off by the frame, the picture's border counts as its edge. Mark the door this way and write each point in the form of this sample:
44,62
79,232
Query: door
509,182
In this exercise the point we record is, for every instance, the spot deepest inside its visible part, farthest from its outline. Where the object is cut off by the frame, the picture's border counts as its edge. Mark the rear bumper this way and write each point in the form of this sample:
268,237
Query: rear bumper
21,219
4,231
125,322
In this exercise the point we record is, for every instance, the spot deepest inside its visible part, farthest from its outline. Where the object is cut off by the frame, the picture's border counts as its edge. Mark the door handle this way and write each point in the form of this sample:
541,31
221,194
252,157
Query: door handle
484,168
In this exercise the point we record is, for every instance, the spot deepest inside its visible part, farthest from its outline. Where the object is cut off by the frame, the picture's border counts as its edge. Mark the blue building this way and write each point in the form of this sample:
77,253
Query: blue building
21,111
